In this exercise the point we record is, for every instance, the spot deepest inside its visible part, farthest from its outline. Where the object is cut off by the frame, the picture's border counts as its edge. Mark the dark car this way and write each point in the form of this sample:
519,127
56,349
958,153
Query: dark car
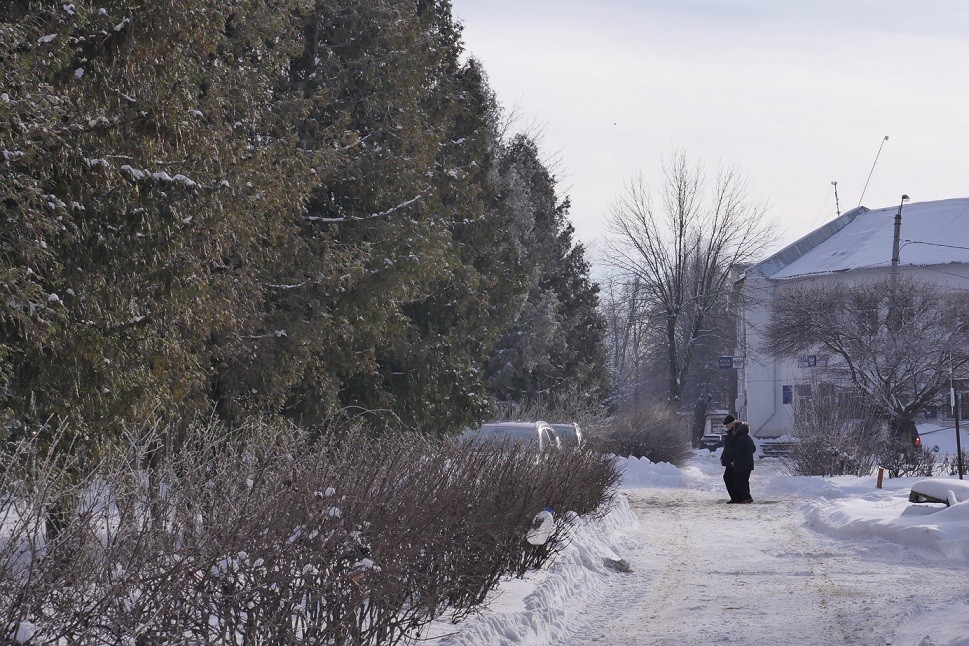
538,435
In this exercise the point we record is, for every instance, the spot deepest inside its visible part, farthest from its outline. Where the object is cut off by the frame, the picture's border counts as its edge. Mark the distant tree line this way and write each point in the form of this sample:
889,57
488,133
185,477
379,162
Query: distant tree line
288,208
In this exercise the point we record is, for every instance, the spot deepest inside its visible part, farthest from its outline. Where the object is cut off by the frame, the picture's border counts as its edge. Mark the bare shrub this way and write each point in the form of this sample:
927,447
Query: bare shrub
905,461
653,431
950,464
840,433
264,536
834,435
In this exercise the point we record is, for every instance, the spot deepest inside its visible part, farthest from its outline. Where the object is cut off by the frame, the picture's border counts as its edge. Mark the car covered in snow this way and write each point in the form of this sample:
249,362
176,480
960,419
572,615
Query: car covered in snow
712,440
940,490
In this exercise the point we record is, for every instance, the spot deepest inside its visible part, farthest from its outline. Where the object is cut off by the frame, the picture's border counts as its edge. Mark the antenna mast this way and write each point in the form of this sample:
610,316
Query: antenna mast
872,170
837,207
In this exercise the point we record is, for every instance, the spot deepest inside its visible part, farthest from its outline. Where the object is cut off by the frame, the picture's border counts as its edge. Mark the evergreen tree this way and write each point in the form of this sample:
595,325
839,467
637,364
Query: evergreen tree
284,208
556,346
416,239
142,201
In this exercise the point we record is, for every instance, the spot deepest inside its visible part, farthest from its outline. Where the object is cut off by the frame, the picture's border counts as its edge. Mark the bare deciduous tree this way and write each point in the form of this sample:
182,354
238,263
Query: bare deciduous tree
630,340
682,252
900,367
835,433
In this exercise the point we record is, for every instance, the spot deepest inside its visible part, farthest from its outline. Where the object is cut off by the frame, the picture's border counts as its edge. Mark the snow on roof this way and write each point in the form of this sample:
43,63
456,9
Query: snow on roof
932,233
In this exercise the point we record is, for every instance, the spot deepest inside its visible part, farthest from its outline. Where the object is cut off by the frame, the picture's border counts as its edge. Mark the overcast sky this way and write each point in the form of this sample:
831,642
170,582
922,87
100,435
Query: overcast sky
794,94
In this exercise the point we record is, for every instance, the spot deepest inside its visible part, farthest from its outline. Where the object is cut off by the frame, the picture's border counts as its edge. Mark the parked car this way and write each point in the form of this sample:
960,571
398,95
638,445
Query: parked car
570,435
939,490
713,430
539,435
712,440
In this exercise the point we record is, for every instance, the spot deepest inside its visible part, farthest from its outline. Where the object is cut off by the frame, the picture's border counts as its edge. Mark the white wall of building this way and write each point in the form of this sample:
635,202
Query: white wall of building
761,381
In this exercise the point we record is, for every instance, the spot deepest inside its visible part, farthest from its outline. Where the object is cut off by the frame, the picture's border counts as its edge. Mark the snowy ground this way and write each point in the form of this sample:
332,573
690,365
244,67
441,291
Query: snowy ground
812,561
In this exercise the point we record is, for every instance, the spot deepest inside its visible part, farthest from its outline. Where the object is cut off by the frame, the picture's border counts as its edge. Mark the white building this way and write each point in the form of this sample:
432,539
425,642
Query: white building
857,246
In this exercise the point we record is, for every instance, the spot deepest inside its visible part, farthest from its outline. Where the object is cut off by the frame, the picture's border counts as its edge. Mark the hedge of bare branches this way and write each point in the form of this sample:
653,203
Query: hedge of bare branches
653,431
264,536
842,435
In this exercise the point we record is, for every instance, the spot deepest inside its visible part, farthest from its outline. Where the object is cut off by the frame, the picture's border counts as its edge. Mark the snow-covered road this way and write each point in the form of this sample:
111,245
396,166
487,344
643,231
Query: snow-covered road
814,561
710,573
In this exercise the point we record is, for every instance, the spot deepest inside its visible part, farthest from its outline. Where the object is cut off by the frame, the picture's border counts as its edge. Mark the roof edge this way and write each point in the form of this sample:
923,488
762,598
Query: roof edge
774,263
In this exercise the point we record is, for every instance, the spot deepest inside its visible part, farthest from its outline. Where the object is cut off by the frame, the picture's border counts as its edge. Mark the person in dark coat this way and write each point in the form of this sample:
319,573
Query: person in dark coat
738,460
728,470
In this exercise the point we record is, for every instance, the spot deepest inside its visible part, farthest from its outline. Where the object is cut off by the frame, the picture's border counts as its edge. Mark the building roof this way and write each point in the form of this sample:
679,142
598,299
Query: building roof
932,233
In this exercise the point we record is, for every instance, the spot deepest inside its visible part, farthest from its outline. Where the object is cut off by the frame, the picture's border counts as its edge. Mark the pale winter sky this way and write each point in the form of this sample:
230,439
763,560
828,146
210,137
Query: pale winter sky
794,94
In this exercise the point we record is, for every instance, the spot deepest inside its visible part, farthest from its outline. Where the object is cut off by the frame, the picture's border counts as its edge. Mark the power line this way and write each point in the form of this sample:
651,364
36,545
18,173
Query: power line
872,170
935,244
941,271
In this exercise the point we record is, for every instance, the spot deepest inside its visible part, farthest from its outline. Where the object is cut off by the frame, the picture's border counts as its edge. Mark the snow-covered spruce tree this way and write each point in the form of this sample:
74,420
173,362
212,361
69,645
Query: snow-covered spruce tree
143,202
555,347
233,204
893,341
682,251
406,324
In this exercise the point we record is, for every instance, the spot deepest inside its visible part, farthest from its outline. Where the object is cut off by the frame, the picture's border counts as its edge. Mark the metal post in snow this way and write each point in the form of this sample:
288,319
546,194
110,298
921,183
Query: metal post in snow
954,398
955,412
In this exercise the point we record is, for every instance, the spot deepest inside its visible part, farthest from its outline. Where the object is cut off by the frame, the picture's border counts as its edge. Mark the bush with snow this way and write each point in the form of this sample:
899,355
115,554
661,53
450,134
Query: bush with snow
652,431
265,534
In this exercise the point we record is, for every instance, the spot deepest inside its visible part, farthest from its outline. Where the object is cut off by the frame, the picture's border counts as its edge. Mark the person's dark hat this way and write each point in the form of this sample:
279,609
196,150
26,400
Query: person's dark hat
728,419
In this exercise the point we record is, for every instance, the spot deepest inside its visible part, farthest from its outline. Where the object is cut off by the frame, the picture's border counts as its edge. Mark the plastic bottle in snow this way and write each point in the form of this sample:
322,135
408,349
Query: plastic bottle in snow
542,526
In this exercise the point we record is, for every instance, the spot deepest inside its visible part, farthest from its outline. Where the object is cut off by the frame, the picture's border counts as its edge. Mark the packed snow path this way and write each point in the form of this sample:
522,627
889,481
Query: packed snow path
707,572
813,561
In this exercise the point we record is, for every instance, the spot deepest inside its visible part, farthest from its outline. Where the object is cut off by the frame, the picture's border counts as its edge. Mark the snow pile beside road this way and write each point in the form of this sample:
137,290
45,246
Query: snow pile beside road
640,472
547,605
935,627
848,507
934,527
831,488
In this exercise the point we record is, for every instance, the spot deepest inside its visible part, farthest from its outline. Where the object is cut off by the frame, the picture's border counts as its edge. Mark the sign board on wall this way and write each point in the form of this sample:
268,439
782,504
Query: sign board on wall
730,363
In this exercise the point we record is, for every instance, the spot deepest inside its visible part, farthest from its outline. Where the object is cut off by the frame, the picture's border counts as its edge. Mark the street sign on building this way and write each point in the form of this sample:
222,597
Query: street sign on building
730,363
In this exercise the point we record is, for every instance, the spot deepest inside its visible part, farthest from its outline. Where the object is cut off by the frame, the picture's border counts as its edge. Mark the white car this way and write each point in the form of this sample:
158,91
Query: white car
712,439
570,435
539,434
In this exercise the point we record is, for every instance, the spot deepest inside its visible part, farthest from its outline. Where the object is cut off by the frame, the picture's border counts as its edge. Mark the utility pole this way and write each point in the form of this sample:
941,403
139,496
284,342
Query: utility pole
898,231
954,399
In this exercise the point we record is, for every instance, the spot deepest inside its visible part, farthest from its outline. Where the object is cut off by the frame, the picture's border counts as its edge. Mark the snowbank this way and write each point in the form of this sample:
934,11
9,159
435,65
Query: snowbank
937,528
640,472
545,605
889,516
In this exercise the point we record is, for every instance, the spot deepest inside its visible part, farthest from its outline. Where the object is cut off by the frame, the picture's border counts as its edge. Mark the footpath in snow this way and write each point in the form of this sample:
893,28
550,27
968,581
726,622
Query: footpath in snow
812,561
